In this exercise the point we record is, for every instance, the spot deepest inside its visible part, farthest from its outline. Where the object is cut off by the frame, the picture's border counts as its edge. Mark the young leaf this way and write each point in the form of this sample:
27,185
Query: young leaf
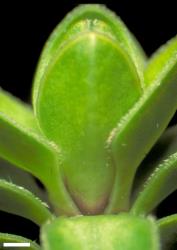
168,231
82,19
22,145
141,127
160,184
101,233
11,238
19,201
81,112
79,103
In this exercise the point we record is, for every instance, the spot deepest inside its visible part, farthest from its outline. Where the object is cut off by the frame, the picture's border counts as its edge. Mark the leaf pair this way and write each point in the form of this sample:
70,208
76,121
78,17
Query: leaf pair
88,77
78,98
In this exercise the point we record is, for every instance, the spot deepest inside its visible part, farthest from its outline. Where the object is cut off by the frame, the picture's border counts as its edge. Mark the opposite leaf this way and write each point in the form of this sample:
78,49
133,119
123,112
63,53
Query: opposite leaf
141,127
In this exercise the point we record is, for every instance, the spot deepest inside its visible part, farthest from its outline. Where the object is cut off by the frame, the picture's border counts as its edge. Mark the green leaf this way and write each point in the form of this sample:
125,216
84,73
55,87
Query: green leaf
11,238
168,231
81,19
18,111
17,200
79,103
165,146
18,136
159,62
102,232
22,145
21,178
138,131
160,184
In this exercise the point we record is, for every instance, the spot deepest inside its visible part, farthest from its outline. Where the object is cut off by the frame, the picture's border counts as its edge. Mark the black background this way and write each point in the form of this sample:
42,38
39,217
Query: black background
25,26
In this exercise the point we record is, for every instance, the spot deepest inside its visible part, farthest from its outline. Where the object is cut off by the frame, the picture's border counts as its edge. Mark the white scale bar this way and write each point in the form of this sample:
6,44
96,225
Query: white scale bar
27,244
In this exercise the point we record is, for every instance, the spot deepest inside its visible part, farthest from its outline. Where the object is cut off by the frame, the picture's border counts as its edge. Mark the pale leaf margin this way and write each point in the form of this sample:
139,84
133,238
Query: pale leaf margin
84,13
